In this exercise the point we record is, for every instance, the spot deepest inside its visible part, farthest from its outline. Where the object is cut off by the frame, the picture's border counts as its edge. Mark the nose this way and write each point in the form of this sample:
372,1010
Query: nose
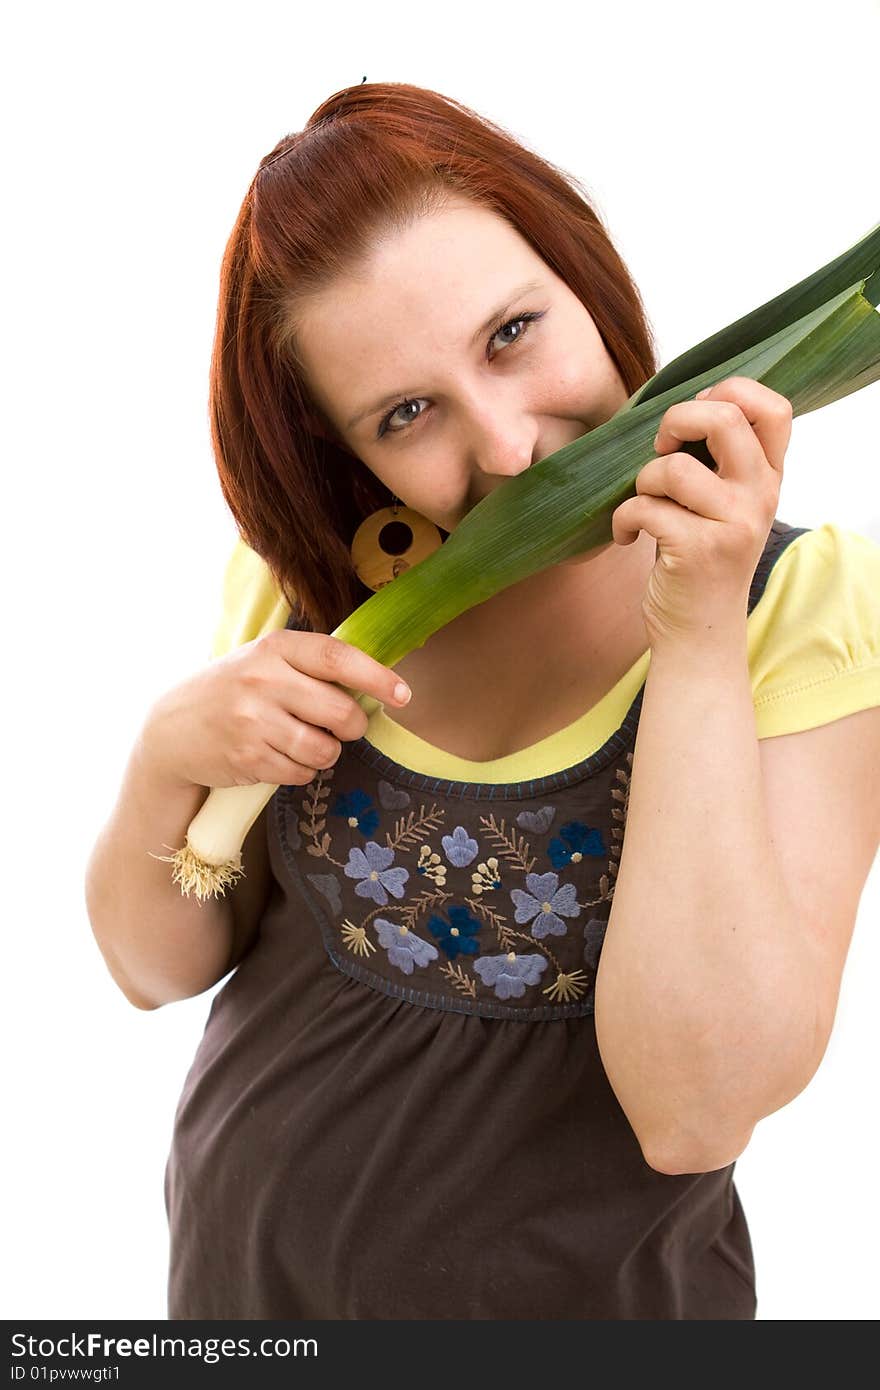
502,442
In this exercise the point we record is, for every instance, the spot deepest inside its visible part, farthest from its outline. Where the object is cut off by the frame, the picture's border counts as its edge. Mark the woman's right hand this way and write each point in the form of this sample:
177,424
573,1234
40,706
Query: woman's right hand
270,711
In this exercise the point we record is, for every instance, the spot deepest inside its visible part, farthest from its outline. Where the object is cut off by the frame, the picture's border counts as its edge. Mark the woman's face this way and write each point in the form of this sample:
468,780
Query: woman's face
428,375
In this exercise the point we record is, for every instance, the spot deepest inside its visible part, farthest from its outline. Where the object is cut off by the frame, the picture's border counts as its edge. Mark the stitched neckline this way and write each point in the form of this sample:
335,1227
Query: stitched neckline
614,745
480,770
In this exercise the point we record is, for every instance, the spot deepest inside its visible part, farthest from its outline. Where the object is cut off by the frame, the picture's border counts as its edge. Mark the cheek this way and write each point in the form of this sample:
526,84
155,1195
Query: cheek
441,502
588,386
570,387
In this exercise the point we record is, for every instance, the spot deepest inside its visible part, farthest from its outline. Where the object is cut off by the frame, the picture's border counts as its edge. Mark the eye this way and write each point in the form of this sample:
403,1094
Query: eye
526,319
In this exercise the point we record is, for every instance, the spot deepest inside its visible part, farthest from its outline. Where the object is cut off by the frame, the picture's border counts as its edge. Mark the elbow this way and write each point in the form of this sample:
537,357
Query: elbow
146,1005
133,997
137,1001
681,1157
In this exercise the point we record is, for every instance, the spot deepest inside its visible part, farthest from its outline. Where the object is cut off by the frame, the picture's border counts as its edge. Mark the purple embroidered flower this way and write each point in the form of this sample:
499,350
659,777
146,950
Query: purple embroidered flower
580,840
545,901
358,810
371,866
457,936
460,849
405,949
509,974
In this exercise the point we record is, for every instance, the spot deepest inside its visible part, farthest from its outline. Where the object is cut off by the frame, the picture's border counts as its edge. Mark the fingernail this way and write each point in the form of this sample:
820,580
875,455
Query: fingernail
402,693
700,394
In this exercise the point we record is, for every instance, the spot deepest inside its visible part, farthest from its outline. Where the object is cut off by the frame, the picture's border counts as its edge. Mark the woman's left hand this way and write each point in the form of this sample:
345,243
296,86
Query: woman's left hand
711,528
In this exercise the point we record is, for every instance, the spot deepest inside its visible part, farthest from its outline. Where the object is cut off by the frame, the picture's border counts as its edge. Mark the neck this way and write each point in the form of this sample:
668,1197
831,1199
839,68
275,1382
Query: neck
583,603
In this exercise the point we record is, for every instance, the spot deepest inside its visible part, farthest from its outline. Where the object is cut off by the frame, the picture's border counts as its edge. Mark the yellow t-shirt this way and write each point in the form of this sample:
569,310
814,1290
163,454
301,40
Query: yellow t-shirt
813,652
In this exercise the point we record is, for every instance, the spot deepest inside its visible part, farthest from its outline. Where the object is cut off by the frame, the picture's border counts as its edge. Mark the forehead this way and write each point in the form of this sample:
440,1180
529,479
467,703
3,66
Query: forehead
457,256
442,271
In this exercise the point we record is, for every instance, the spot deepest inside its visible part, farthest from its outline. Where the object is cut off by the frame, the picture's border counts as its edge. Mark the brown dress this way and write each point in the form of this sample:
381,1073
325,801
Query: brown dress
398,1108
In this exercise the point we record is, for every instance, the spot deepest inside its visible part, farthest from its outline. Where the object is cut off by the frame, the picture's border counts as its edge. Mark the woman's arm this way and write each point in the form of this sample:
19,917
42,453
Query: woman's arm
743,863
159,946
707,1012
732,915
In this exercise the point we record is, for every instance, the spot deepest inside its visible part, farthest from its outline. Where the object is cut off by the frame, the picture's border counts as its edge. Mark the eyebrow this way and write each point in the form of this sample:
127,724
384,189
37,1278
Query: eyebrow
493,318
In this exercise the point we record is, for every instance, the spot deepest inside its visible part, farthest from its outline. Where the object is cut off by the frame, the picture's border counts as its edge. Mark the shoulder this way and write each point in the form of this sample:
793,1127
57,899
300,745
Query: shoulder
251,602
814,634
814,659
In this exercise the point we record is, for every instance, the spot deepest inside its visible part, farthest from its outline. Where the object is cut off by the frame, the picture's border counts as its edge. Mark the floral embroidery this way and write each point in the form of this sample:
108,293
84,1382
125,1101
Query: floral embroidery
404,948
459,934
356,938
486,877
594,935
567,986
460,849
545,901
580,840
537,821
431,865
358,810
508,975
454,899
371,867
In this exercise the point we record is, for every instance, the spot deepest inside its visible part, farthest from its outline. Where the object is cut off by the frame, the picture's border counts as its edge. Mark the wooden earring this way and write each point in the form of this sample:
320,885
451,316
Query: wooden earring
392,540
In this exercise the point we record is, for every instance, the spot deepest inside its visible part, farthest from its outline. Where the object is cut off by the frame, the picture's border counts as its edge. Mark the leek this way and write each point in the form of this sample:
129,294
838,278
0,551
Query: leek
815,343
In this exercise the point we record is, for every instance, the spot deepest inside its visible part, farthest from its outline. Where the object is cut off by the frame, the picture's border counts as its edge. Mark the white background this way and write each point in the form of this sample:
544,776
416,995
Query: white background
730,150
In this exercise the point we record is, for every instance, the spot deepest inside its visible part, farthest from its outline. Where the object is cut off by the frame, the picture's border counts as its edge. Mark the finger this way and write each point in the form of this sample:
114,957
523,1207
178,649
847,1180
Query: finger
688,482
768,412
328,658
672,526
729,437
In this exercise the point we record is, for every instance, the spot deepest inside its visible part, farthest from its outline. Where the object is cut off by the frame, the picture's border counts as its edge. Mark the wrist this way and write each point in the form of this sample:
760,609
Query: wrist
713,651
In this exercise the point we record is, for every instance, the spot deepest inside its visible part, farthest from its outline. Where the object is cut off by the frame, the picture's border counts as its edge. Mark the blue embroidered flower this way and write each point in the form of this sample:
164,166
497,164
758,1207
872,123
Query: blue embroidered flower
581,840
461,850
405,949
457,936
545,901
509,974
358,810
371,866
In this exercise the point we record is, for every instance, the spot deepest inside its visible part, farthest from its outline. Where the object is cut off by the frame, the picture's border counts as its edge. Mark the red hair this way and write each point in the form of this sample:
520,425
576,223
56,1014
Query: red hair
371,159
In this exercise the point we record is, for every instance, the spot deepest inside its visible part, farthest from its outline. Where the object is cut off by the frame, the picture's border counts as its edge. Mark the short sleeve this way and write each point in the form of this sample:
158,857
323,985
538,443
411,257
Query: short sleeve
814,635
252,602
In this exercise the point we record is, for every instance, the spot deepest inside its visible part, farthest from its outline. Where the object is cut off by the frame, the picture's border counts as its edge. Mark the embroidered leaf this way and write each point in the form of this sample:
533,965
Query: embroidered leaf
325,843
320,825
605,889
328,886
495,919
462,982
515,846
507,936
408,831
418,907
315,849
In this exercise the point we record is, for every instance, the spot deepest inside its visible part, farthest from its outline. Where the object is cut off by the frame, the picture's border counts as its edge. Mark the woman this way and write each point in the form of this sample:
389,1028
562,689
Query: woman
482,1056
